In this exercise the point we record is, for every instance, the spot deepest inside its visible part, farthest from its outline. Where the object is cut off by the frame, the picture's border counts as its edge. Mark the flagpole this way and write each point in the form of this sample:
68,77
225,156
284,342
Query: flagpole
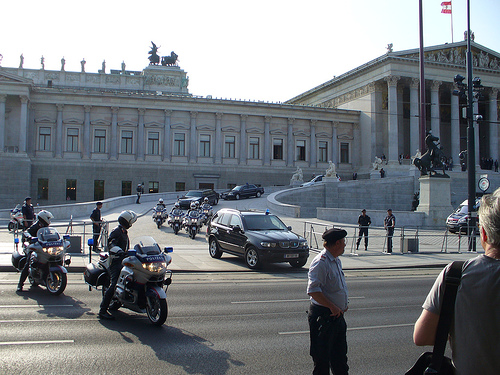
451,16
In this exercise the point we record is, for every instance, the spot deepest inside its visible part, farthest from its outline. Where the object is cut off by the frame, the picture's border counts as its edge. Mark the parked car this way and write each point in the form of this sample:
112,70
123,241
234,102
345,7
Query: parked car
315,180
198,195
243,191
259,237
457,221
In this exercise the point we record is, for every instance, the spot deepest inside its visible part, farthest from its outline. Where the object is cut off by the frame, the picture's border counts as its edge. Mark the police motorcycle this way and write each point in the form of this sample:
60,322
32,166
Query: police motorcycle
175,218
206,210
192,222
47,256
159,213
16,218
143,280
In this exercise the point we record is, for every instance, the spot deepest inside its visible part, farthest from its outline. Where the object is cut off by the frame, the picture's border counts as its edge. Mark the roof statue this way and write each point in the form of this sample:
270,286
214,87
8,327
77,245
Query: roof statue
154,59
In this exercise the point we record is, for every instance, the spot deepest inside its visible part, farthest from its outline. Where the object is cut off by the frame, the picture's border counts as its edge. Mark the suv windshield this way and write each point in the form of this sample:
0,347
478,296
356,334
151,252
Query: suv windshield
193,193
264,222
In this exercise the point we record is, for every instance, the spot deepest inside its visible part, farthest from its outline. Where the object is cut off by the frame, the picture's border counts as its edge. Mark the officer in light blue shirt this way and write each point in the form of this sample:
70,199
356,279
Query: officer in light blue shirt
328,293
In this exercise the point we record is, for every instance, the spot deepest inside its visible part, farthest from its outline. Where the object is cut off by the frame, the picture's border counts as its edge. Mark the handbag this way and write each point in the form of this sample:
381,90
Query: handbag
436,362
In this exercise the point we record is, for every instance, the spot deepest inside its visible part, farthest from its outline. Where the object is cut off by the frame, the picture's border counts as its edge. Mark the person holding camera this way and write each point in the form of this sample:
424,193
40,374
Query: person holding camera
328,295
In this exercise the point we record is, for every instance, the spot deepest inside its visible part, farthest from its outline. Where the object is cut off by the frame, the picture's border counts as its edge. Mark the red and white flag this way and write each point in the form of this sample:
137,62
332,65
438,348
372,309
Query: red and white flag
446,7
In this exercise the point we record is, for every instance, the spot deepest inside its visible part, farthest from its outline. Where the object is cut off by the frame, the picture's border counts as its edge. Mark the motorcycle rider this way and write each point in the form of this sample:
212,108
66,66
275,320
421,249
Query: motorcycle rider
160,203
118,245
206,206
43,220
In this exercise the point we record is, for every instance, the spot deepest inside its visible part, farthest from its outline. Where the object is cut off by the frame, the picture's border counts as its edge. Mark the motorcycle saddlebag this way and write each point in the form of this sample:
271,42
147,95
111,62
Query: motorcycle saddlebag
92,273
18,259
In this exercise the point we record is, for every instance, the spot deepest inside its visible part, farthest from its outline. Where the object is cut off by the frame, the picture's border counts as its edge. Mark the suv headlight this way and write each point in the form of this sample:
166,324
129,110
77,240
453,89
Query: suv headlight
268,244
303,244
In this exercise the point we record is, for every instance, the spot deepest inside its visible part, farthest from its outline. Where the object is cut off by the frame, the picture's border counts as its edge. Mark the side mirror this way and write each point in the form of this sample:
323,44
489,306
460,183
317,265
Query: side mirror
168,249
237,229
289,228
66,237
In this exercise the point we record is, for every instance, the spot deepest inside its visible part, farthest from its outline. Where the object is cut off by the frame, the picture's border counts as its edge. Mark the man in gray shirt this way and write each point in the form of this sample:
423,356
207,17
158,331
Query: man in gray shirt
328,294
474,333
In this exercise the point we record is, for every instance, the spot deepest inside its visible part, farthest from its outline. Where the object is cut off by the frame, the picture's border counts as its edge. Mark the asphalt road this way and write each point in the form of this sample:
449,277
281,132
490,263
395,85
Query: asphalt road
218,323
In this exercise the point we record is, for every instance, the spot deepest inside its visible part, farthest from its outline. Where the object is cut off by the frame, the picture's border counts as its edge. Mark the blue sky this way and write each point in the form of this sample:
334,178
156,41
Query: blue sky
260,50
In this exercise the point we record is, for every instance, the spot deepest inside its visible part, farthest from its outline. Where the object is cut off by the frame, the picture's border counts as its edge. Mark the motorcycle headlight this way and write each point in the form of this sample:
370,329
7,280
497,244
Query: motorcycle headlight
55,250
268,244
155,266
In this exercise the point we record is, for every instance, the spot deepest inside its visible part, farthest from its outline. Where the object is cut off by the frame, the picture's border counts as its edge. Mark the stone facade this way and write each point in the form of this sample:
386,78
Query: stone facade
77,136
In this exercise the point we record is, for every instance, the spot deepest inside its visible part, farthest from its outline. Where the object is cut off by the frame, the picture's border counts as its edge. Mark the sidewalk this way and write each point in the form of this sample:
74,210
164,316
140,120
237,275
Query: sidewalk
192,256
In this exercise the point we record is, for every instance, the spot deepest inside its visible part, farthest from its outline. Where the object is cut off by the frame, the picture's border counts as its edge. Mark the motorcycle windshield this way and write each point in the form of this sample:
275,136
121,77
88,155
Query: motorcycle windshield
146,245
47,234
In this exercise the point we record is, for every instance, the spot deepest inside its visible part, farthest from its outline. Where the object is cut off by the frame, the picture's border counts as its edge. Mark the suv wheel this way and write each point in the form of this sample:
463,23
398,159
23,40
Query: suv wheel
258,194
298,263
214,249
252,258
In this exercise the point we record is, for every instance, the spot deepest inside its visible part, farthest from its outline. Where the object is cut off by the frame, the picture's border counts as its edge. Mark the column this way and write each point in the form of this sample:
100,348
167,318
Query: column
243,138
435,115
493,116
219,142
455,129
356,155
289,142
24,124
334,154
267,140
59,130
414,116
313,158
167,153
86,131
392,125
140,135
3,99
113,147
192,152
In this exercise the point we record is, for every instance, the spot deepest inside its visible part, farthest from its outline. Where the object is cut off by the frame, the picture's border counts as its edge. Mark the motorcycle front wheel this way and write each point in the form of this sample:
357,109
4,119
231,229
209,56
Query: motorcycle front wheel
157,309
192,232
176,229
56,282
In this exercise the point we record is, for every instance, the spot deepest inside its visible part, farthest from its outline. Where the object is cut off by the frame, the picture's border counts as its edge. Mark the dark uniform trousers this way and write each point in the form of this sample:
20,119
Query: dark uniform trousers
114,271
328,341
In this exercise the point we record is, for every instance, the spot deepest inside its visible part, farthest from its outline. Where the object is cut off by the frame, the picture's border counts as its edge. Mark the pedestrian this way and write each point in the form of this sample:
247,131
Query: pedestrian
382,173
476,321
328,295
354,175
364,222
95,216
139,193
28,213
389,224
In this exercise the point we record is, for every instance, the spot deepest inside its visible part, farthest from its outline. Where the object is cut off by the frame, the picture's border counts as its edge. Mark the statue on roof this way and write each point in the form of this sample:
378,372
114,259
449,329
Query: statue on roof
154,59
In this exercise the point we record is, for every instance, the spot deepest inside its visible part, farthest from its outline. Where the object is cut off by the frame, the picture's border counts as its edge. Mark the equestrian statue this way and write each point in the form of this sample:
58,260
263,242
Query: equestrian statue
433,159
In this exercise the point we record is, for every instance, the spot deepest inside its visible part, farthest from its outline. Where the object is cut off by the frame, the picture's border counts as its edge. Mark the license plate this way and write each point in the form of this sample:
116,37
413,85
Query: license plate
288,256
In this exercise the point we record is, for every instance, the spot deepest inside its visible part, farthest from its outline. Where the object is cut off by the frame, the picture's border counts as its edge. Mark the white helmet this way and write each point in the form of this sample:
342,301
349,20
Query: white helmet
205,200
197,204
192,205
177,205
127,218
160,200
45,217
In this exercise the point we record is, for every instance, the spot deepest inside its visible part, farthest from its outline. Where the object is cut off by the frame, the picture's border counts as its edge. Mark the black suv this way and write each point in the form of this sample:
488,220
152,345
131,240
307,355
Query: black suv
257,236
198,195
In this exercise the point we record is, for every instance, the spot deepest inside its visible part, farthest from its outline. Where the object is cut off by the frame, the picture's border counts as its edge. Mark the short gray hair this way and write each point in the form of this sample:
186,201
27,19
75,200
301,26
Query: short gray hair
489,217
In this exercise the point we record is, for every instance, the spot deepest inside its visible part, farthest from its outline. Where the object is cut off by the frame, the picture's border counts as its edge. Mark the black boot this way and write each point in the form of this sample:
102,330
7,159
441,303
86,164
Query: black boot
104,314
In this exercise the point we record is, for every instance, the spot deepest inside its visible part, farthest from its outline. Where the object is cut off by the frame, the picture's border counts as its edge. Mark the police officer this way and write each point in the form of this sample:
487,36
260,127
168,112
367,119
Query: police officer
28,213
43,220
364,222
389,225
328,294
95,216
118,244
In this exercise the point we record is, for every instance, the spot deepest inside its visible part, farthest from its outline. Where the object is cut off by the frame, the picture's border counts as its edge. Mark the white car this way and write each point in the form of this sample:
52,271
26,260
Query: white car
314,181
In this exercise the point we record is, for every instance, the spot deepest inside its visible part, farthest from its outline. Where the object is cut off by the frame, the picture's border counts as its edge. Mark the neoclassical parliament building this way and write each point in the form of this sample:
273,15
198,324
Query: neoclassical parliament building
83,136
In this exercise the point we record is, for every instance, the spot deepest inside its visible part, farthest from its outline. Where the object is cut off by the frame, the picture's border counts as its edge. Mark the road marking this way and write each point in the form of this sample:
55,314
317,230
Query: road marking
354,328
31,306
37,342
283,300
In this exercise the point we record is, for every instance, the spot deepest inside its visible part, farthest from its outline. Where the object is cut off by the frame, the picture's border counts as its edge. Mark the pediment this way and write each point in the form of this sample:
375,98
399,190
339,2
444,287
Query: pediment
179,126
73,121
205,127
127,123
6,77
255,131
154,124
44,120
229,129
323,135
100,122
277,132
301,133
345,137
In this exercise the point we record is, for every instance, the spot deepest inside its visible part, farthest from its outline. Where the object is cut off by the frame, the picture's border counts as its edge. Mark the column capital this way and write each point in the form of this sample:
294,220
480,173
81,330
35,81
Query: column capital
290,120
218,115
59,107
141,111
415,83
24,99
114,110
392,80
313,122
493,93
167,112
87,108
435,85
3,98
335,124
193,114
268,118
244,117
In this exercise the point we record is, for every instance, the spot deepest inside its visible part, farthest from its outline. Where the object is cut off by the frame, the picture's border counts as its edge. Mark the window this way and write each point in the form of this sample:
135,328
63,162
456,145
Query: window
179,144
253,150
98,190
204,145
180,186
344,152
43,189
71,190
229,146
126,188
127,137
72,140
323,151
278,149
100,141
153,143
154,187
44,139
301,150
